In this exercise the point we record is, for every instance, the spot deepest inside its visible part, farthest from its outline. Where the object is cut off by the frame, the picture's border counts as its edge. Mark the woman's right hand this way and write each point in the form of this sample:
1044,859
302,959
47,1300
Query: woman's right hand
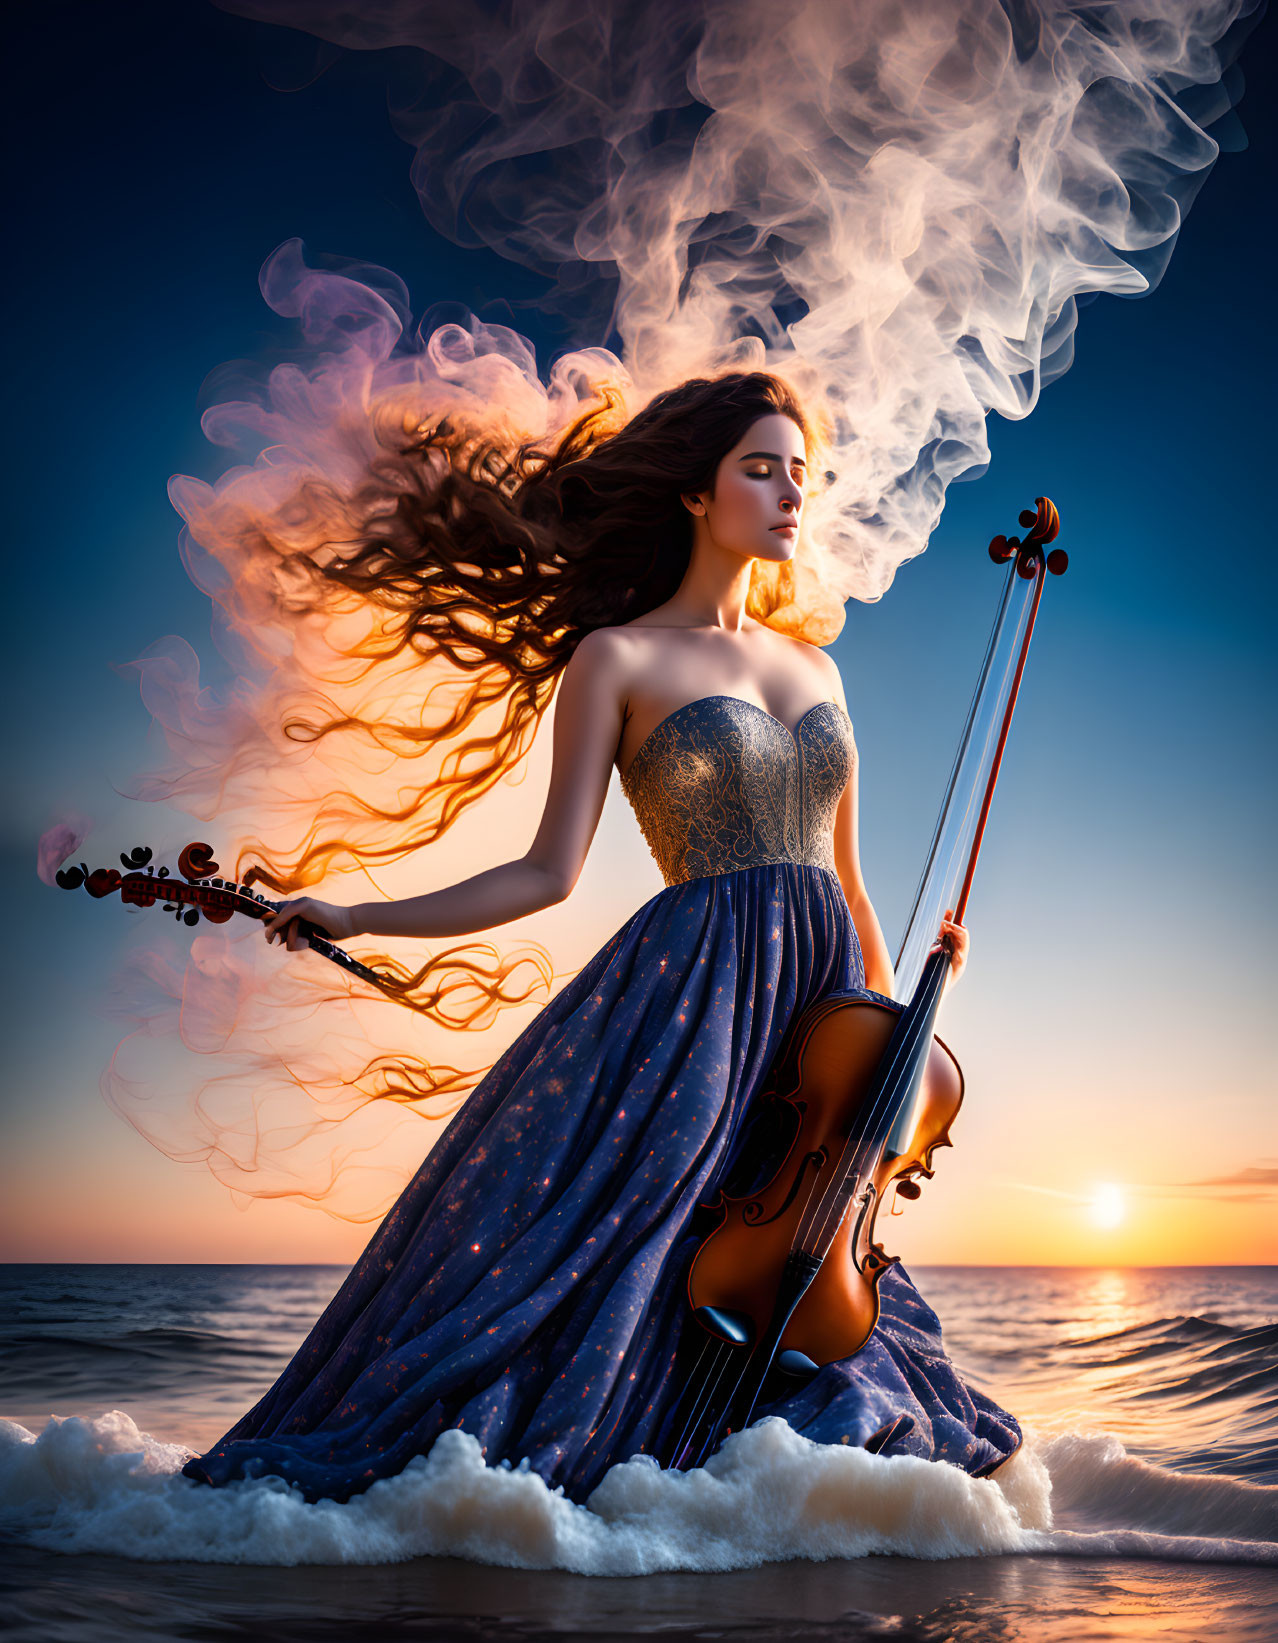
338,923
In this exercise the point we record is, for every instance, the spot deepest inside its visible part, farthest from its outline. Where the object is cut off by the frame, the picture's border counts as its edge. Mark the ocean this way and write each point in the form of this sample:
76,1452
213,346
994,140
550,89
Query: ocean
1144,1502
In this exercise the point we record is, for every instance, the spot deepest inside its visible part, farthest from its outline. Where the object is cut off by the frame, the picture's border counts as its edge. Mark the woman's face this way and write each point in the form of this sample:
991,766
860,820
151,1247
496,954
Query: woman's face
758,492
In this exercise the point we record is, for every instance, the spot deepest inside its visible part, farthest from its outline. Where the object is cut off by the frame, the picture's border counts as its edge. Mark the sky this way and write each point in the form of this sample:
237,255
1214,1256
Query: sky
1113,1022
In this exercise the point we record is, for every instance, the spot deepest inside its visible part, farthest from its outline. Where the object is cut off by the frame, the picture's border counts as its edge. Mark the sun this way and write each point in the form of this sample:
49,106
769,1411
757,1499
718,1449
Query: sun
1107,1207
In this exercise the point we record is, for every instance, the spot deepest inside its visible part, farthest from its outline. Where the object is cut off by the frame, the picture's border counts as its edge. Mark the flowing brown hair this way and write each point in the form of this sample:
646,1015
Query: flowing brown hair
498,558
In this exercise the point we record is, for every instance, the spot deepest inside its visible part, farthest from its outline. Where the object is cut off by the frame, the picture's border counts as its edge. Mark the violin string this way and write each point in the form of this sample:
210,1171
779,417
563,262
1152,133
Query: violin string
919,1027
714,1376
833,1202
762,1378
819,1213
813,1204
946,875
701,1408
812,1231
991,650
963,835
729,1403
725,1404
681,1441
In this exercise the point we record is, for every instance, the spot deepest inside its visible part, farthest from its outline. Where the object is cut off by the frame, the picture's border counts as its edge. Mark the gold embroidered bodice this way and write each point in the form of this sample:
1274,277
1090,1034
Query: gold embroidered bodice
720,784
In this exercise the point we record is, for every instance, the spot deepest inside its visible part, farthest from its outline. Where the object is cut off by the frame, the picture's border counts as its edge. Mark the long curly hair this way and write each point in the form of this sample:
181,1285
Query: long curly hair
496,557
502,561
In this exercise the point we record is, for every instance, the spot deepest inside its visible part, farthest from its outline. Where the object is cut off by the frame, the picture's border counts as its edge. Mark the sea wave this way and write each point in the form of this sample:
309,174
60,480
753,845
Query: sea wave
1209,1390
1094,1478
1168,1337
99,1484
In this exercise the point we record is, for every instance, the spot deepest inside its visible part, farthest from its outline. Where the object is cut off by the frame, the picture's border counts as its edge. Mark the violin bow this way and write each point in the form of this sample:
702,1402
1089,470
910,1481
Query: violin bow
199,892
887,1117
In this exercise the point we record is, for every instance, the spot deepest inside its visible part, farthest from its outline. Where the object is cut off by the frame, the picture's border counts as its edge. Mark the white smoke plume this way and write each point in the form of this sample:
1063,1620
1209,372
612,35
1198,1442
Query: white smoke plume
898,204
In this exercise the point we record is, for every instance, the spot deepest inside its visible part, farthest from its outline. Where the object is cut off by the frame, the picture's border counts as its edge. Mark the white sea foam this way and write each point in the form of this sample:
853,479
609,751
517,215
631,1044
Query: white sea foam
100,1485
1092,1473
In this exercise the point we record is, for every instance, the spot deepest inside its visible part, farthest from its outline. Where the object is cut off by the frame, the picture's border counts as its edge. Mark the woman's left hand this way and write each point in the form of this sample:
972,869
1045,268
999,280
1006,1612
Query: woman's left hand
338,923
959,942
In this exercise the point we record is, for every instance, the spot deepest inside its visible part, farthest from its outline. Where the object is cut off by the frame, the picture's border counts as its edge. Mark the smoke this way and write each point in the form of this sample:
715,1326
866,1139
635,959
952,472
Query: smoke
899,204
58,841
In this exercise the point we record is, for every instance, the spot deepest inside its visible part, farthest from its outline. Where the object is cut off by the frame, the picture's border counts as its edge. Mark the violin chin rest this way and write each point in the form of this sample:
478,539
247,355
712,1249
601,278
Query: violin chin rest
736,1328
791,1362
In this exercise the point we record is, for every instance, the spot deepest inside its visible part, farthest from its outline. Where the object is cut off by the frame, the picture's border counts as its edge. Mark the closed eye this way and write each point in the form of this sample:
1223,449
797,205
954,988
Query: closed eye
772,456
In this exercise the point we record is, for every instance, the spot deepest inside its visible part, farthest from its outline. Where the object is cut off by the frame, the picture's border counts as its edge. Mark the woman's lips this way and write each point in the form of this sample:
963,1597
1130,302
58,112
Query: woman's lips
790,527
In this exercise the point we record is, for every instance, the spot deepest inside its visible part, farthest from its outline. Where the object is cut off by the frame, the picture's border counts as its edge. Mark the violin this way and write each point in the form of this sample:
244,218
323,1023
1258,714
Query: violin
824,1076
199,893
788,1279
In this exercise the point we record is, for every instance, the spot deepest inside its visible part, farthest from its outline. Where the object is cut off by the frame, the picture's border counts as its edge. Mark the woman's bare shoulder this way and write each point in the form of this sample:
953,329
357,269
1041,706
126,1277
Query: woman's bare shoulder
606,658
802,649
625,640
811,660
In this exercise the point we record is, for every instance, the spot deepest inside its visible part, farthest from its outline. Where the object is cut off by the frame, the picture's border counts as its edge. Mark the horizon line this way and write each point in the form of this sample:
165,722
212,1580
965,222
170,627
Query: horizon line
956,1266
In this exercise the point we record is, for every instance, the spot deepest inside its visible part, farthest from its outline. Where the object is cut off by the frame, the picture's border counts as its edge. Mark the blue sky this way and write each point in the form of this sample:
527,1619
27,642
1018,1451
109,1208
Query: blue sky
1129,862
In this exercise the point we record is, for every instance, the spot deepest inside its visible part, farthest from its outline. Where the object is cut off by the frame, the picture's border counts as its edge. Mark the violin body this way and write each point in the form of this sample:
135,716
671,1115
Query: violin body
823,1073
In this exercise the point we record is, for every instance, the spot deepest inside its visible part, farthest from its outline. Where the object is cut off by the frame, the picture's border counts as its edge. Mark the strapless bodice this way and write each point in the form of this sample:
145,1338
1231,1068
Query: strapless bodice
720,784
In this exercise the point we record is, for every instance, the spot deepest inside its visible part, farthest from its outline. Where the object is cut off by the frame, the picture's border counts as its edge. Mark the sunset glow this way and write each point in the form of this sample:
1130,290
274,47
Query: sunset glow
1108,1208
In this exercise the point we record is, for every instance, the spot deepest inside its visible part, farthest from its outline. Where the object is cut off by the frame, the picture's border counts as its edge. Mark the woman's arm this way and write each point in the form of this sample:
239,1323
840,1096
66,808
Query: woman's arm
495,896
588,714
879,974
847,860
847,864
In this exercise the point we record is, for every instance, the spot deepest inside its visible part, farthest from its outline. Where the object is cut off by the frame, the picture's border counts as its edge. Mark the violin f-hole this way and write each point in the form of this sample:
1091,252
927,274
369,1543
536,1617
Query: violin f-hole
752,1213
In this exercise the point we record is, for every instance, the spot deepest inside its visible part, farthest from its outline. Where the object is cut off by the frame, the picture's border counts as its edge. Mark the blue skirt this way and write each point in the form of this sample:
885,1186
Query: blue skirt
529,1284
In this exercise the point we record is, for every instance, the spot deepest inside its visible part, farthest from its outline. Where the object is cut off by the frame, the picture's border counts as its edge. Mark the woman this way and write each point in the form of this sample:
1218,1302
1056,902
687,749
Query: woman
528,1285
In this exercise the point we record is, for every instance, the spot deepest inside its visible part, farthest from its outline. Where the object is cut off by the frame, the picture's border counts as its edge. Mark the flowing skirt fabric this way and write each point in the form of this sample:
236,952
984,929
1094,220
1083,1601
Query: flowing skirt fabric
529,1284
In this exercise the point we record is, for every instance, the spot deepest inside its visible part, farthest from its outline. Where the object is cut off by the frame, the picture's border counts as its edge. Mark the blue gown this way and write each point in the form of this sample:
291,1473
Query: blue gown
529,1284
